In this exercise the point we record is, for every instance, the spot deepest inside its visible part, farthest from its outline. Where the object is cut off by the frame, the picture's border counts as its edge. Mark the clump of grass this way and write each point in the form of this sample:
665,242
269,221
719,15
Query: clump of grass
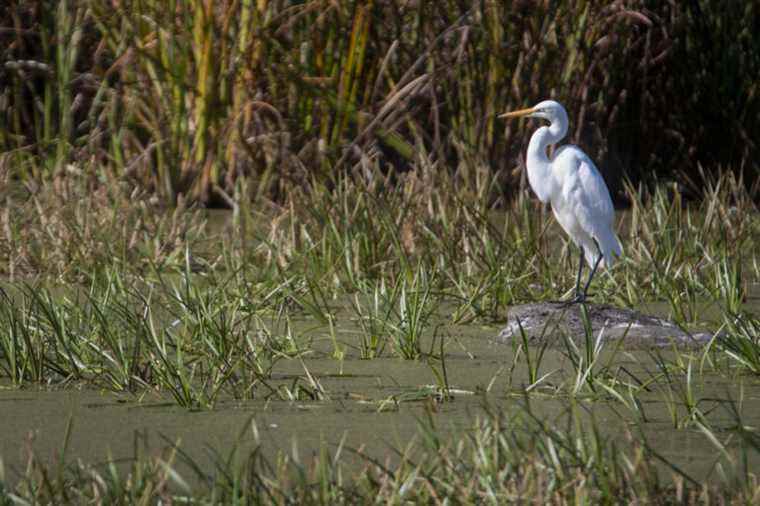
533,357
371,320
740,339
410,305
131,336
688,254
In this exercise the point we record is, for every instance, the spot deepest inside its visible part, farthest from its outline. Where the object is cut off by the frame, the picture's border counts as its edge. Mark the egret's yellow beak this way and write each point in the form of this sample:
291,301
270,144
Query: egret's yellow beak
519,113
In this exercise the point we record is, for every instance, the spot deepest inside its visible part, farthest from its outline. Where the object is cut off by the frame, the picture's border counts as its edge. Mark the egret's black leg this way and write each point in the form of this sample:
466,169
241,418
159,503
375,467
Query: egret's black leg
578,279
579,296
593,270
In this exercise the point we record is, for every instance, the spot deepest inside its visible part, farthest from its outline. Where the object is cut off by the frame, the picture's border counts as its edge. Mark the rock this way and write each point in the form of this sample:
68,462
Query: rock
553,322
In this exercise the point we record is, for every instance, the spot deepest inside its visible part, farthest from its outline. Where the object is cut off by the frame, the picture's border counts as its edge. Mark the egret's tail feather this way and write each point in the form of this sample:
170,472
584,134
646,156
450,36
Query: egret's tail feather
611,250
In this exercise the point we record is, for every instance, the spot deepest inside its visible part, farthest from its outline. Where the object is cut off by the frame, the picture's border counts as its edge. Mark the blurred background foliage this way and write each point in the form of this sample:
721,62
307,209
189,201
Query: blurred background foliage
187,98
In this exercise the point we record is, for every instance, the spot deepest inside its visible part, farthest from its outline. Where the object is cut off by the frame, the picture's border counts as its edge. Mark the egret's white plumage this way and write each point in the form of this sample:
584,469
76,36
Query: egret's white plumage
570,181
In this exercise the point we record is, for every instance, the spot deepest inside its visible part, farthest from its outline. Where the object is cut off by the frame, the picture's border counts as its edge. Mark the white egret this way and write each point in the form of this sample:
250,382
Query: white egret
571,182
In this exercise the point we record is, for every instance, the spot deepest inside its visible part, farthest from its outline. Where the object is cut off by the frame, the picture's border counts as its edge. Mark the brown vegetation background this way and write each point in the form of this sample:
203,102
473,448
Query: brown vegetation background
190,97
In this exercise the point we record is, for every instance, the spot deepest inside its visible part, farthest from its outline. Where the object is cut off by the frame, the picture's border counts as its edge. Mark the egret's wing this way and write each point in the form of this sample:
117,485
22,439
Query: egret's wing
594,210
590,199
596,196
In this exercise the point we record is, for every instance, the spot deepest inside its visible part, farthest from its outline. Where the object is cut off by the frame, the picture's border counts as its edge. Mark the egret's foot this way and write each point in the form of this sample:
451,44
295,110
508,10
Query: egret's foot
579,298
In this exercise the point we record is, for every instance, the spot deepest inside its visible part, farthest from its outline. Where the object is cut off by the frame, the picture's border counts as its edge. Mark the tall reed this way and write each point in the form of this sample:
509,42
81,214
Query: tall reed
187,97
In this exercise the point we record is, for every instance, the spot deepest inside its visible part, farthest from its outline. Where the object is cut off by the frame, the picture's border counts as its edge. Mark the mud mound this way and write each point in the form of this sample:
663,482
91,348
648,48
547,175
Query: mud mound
554,322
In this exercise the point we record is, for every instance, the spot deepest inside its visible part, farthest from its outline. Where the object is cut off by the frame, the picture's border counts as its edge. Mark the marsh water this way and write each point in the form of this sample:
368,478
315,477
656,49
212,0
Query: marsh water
376,406
373,406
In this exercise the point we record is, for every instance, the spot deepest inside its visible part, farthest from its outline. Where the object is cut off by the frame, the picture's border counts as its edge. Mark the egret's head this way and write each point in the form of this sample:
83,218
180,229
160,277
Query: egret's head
548,110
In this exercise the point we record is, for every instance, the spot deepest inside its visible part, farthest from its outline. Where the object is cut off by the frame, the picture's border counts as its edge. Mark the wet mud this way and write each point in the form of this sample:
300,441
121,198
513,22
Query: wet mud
555,323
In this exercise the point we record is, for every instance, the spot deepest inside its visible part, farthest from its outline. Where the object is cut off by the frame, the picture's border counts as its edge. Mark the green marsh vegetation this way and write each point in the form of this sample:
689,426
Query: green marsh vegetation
376,208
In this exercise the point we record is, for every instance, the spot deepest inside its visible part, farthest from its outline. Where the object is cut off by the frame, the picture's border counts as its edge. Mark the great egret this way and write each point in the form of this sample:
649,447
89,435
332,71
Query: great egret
571,182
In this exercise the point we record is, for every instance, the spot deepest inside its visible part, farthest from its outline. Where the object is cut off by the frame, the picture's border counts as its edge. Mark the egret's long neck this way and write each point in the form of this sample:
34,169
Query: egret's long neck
540,174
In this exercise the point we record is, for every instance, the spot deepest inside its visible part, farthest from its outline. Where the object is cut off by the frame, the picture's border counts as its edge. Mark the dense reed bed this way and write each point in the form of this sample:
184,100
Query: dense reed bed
188,97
